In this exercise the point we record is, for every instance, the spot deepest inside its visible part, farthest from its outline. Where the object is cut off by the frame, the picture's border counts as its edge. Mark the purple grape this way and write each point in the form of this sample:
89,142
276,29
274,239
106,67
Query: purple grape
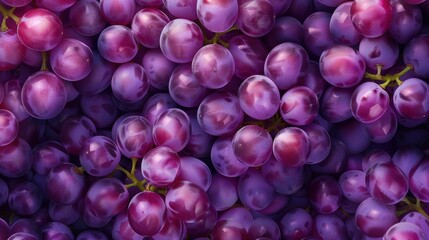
341,25
330,226
405,230
89,24
276,207
382,130
147,25
12,100
56,230
25,198
196,171
160,166
99,155
351,133
66,214
90,220
299,106
40,29
200,142
71,59
313,79
320,143
121,228
173,228
285,29
218,15
296,224
407,158
223,158
291,147
285,64
182,8
91,234
417,219
202,227
184,88
264,227
371,18
180,40
335,104
374,218
22,236
25,225
255,18
158,68
134,136
342,66
326,194
117,44
406,21
9,127
375,156
419,180
118,11
100,108
157,104
238,216
67,178
220,113
254,191
411,99
172,129
222,192
317,35
187,201
12,52
74,131
15,158
369,102
379,51
55,5
130,82
353,186
4,192
252,145
336,160
16,3
43,95
48,155
106,197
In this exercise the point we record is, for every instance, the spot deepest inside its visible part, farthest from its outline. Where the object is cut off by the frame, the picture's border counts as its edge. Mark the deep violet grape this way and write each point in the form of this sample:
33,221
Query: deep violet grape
325,195
130,82
86,18
67,178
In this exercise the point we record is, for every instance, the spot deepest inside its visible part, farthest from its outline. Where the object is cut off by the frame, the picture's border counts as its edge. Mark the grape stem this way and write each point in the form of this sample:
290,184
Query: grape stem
388,79
410,206
272,125
7,13
131,175
44,61
216,39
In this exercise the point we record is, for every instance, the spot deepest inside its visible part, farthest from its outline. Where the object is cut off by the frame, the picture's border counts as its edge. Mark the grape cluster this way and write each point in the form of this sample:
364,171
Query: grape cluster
214,119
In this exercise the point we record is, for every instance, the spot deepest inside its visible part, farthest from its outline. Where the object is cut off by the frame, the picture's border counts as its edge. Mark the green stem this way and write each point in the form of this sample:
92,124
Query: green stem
7,13
132,177
410,207
44,61
388,79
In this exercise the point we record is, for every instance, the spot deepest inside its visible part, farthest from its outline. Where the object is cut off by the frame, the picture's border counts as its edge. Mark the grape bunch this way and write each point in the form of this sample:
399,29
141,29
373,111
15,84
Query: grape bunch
214,119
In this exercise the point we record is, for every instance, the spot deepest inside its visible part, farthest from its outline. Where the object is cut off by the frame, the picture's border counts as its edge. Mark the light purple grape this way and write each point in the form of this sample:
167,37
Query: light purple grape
147,25
196,171
155,105
220,113
418,219
411,99
249,55
158,68
213,66
296,224
238,216
255,18
299,106
317,35
375,156
71,59
353,186
172,129
117,11
130,82
405,230
373,218
222,192
254,191
369,102
330,226
379,51
407,158
92,221
341,25
382,130
342,66
406,21
223,158
259,97
180,40
291,147
9,127
217,15
252,145
117,44
187,201
285,64
67,178
371,18
89,24
43,95
182,8
184,88
419,180
335,104
99,155
12,100
160,166
134,136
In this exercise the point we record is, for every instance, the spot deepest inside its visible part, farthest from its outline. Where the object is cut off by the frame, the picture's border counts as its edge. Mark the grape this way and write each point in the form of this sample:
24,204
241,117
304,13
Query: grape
172,129
12,52
173,229
12,100
180,40
222,192
330,226
160,166
285,64
406,21
16,3
15,158
317,35
56,229
407,158
21,236
106,197
285,29
259,97
158,67
121,228
299,106
48,155
342,66
74,131
184,88
71,59
220,113
419,181
417,219
379,51
187,201
277,206
196,171
232,224
223,158
313,79
326,194
382,130
130,82
134,136
91,234
296,224
264,227
117,44
91,22
249,55
209,62
369,102
351,133
217,15
63,213
371,18
9,127
182,8
341,25
40,29
149,3
291,147
320,142
92,221
255,18
99,155
147,25
374,218
353,186
43,95
200,142
405,230
157,104
118,12
203,226
56,5
411,99
66,177
252,145
335,162
4,192
99,108
254,191
25,198
335,104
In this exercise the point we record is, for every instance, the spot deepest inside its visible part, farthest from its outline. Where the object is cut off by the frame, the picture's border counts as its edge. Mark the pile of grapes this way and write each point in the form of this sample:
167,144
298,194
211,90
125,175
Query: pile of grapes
214,119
